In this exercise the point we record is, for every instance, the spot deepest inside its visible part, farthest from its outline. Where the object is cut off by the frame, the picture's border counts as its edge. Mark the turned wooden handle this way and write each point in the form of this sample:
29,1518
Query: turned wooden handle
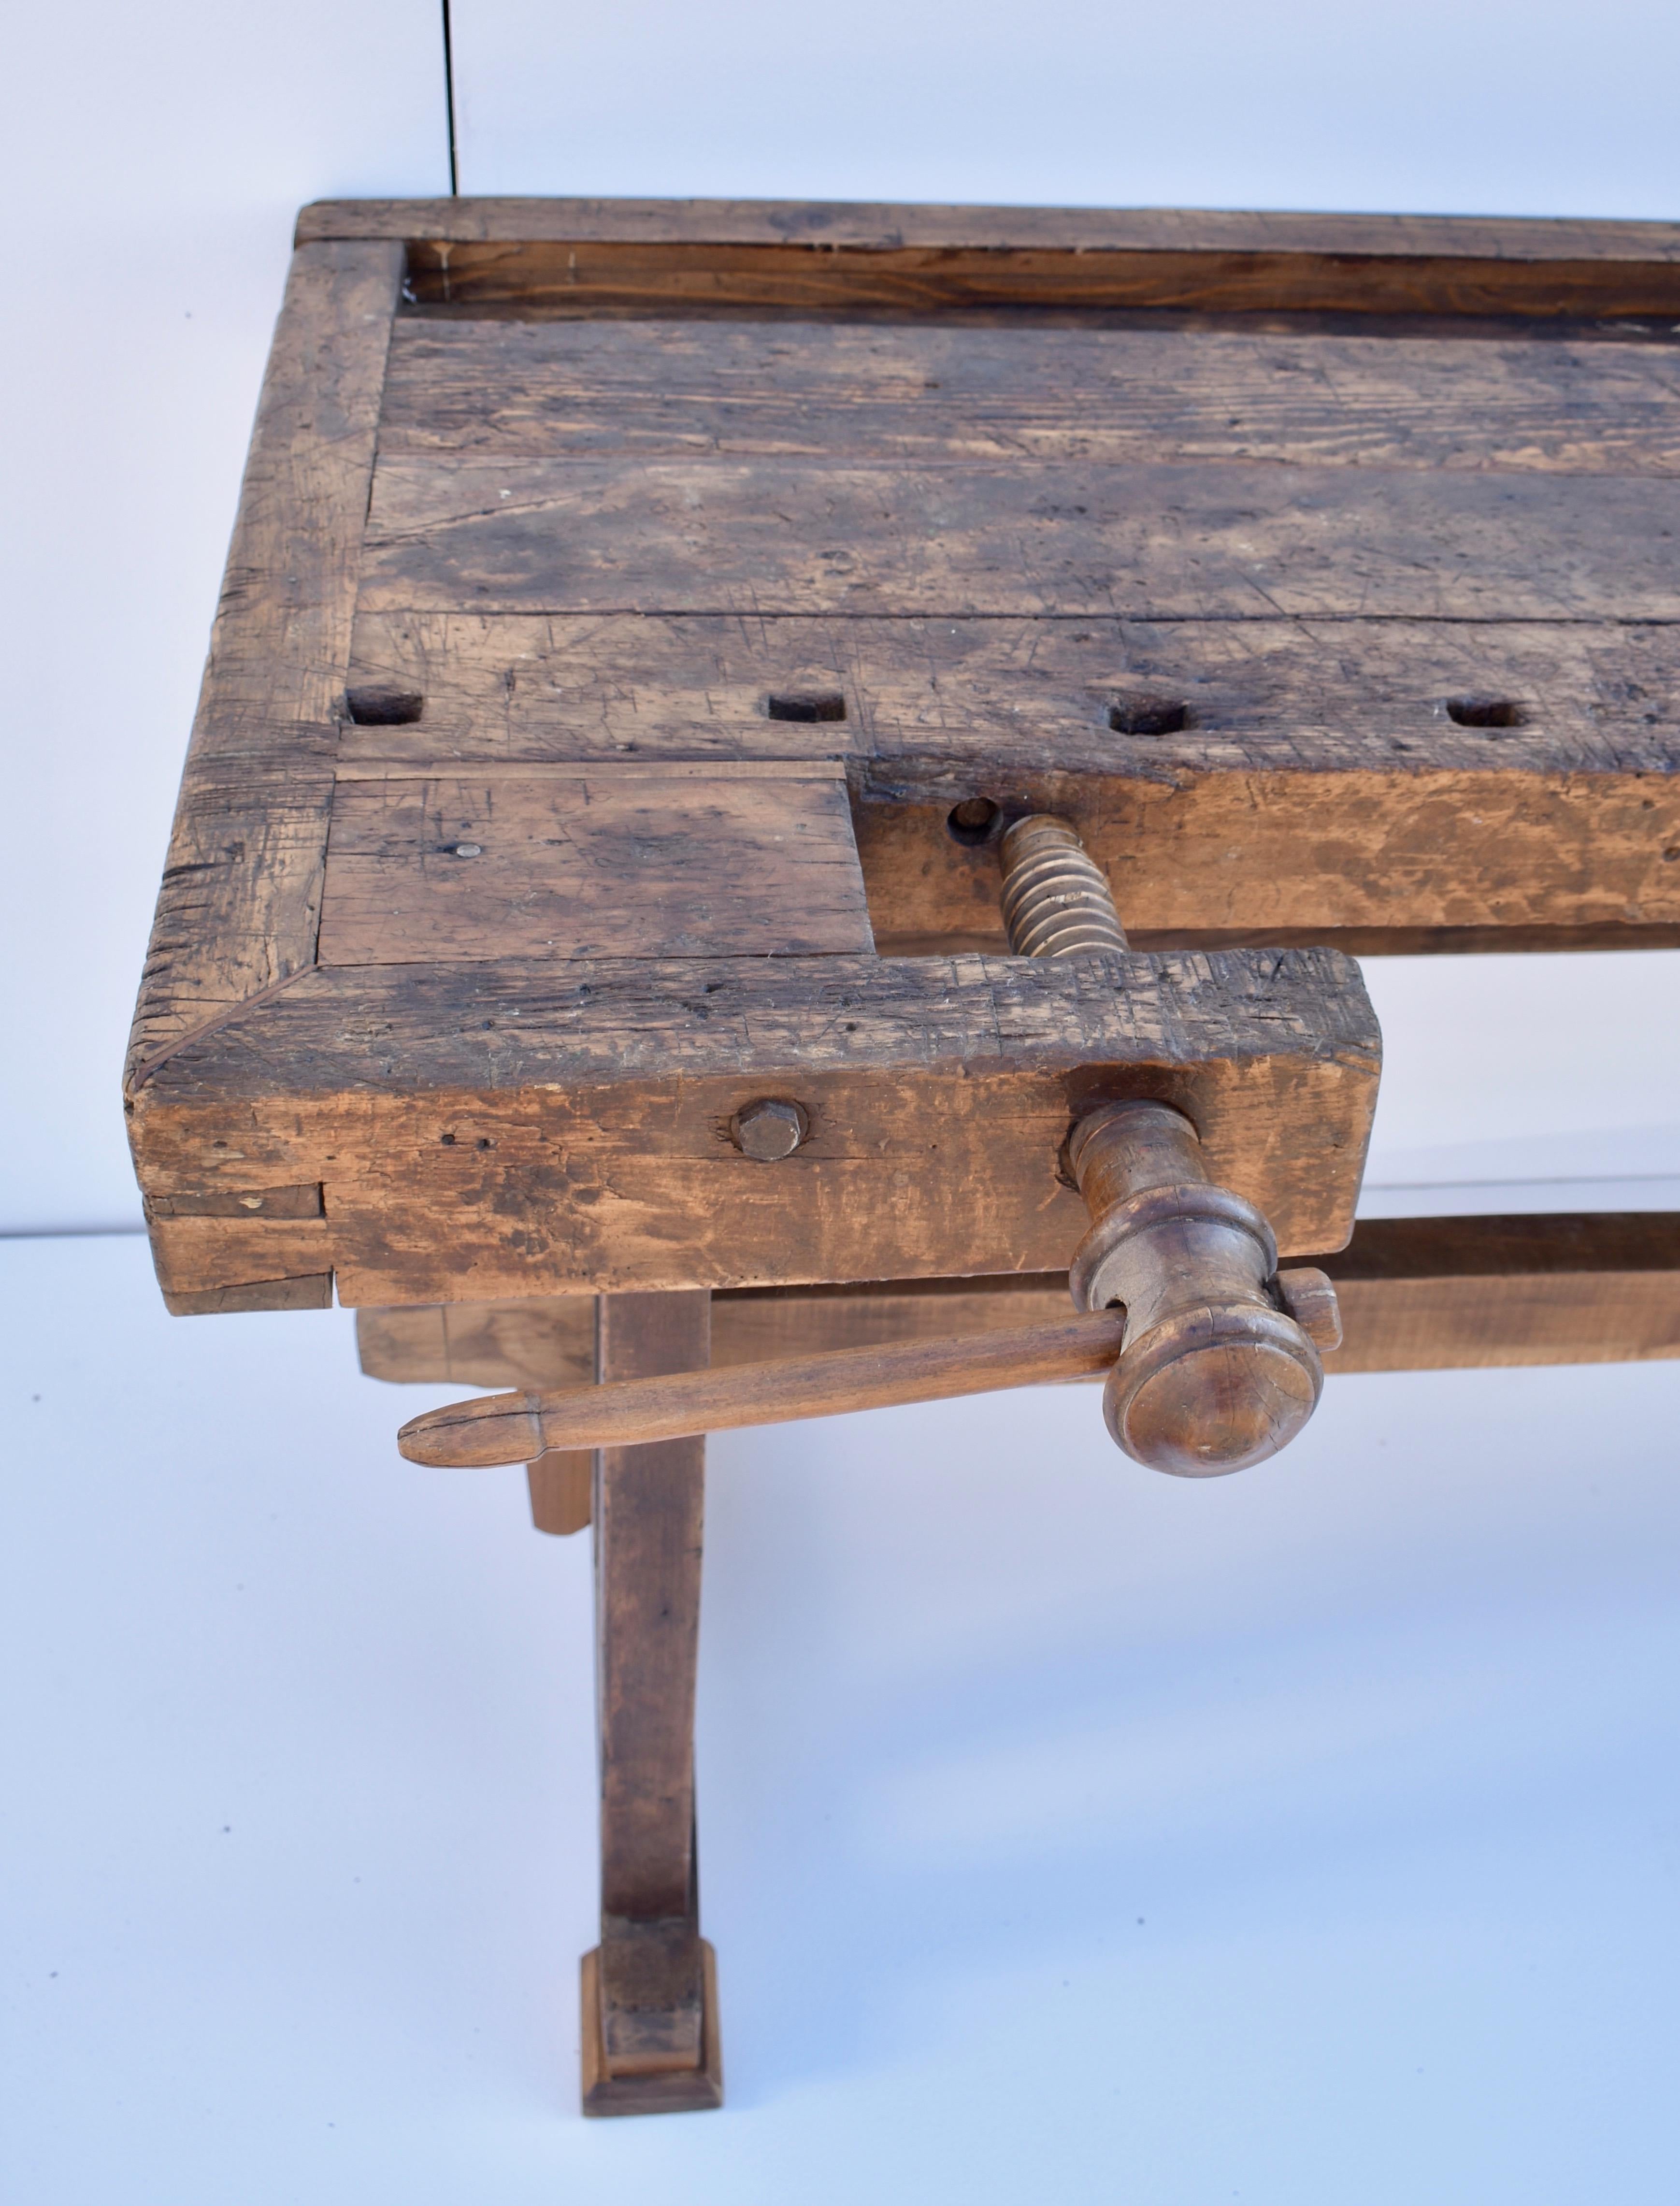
517,1428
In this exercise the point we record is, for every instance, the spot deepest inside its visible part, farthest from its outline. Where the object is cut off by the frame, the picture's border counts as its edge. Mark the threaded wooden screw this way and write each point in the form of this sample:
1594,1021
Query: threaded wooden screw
1056,898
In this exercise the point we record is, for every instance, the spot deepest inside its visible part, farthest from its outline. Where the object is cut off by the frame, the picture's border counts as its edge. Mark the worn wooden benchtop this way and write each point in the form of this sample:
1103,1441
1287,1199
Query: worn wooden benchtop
625,596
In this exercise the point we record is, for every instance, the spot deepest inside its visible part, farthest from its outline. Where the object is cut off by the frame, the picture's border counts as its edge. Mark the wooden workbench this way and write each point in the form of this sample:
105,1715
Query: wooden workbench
640,624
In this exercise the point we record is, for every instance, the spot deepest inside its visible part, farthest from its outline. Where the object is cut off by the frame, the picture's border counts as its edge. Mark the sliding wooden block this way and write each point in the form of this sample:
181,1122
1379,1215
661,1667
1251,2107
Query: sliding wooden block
615,861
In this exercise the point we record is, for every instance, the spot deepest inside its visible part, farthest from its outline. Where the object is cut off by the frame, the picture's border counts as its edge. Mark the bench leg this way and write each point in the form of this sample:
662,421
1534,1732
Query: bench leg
650,2008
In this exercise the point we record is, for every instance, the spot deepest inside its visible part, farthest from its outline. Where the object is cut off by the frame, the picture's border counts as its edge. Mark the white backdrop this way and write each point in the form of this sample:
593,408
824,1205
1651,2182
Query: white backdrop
159,155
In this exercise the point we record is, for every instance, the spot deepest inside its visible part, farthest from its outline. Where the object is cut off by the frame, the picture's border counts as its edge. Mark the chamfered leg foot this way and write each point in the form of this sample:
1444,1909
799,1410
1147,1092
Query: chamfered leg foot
616,2088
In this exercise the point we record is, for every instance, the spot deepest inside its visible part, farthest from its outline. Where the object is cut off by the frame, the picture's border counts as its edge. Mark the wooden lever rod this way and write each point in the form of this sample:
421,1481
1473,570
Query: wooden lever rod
517,1428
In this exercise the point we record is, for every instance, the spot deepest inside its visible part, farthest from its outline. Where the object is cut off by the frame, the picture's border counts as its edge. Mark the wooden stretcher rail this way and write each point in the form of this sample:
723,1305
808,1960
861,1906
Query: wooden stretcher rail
1416,1294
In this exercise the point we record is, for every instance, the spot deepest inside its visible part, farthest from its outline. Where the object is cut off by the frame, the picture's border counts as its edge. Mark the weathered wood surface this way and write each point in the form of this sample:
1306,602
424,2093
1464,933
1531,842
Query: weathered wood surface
496,1130
236,915
530,1342
669,390
501,1428
1416,1294
1024,694
209,1263
595,256
1318,788
884,225
1212,540
648,1516
654,2091
1305,780
621,862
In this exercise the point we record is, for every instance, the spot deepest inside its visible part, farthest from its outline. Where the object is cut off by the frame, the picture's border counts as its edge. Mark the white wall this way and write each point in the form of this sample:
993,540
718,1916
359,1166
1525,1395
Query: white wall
160,154
1454,106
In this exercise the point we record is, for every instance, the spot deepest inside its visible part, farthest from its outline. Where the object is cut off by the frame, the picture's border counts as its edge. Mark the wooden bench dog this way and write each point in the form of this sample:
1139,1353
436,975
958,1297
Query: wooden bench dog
650,634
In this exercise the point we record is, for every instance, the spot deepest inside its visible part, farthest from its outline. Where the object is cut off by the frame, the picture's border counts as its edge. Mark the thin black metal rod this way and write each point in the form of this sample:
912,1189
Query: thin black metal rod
449,102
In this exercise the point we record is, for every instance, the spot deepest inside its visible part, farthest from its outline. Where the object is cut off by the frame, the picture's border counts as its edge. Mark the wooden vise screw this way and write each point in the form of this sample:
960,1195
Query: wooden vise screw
1221,1364
1212,1354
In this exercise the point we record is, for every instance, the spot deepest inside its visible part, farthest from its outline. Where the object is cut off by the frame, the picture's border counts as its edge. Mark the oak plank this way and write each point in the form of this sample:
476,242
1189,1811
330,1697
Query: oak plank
1149,542
1387,857
237,913
514,1128
618,862
874,391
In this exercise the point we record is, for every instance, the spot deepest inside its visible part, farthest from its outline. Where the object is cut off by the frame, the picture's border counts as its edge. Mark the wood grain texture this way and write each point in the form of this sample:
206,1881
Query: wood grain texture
662,390
621,862
1319,789
649,1508
656,2091
1416,1294
1024,695
530,1342
501,1428
237,913
884,225
648,1511
562,1489
1213,540
593,256
488,1130
308,1291
261,1259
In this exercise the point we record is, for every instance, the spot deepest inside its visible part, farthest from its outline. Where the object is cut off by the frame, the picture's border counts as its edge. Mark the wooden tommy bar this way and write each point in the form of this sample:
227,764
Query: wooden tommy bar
782,808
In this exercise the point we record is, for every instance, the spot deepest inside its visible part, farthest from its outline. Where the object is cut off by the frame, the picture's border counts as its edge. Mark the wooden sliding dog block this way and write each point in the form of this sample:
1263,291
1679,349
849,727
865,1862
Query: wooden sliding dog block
617,860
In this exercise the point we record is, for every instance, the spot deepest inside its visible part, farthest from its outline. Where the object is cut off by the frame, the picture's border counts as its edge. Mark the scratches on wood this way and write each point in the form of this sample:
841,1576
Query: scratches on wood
909,391
238,910
515,1128
620,863
1149,542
